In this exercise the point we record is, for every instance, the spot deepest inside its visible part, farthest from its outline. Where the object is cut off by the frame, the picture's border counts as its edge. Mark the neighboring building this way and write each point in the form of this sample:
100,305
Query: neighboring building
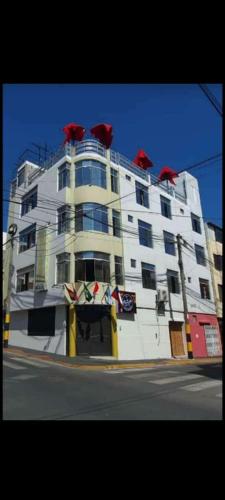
107,222
4,239
214,238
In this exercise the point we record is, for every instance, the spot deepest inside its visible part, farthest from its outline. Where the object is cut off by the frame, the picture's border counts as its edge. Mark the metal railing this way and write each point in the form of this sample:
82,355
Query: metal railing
90,146
168,189
129,165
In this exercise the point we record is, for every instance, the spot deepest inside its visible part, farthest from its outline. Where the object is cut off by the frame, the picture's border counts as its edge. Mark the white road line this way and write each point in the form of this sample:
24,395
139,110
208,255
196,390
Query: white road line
145,375
13,366
29,362
23,377
202,385
131,370
171,380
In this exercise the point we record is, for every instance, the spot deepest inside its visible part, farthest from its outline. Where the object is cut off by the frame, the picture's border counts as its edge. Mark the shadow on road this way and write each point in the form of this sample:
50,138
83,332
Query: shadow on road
213,371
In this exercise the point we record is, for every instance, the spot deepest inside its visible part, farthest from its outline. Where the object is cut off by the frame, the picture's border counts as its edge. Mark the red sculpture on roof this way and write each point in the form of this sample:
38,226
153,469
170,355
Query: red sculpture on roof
73,132
167,174
103,132
142,160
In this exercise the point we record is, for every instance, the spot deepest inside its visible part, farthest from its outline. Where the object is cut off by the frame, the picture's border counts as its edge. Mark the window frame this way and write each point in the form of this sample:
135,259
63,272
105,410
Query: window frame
91,223
200,259
64,226
25,234
170,243
145,234
118,264
95,259
196,223
142,194
151,276
29,201
25,272
165,202
204,282
218,262
114,177
116,222
90,172
65,167
173,285
63,259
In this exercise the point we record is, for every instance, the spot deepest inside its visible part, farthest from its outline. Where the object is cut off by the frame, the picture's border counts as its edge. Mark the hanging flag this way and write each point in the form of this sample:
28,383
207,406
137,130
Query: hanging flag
142,160
70,293
73,132
107,296
87,293
116,295
167,174
96,288
103,132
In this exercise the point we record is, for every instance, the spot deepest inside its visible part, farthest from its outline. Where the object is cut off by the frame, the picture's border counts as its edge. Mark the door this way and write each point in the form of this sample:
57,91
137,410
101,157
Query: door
176,338
212,340
94,330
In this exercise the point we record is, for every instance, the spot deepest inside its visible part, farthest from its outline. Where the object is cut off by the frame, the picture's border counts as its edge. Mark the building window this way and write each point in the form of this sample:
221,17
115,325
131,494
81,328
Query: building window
63,268
90,172
218,262
169,243
13,188
165,207
29,201
41,321
173,281
92,266
25,279
91,217
27,238
220,290
200,255
118,270
64,176
145,234
148,276
142,194
64,217
218,235
21,177
181,210
204,288
114,180
196,224
128,177
116,223
130,218
133,262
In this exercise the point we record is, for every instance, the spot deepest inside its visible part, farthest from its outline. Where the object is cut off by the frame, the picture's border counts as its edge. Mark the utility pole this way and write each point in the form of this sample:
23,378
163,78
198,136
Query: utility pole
11,231
182,277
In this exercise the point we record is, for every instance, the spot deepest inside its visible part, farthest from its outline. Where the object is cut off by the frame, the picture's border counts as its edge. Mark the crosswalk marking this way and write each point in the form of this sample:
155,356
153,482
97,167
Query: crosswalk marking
13,365
171,380
23,377
145,375
29,362
131,370
202,385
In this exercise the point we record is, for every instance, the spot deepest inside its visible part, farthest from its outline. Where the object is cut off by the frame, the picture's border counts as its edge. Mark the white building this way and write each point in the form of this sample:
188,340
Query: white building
126,237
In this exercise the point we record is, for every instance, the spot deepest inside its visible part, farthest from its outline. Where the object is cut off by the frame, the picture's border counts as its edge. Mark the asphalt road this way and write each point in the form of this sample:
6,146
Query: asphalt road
37,390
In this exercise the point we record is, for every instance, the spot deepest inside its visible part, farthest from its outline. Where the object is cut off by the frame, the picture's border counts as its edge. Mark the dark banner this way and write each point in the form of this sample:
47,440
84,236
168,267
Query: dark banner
128,300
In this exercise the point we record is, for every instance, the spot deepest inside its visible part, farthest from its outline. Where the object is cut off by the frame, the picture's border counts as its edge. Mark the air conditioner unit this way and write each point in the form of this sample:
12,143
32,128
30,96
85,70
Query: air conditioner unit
162,296
41,286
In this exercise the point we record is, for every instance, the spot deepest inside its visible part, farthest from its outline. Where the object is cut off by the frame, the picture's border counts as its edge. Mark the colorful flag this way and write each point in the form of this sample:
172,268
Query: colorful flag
96,288
107,296
70,293
87,293
116,295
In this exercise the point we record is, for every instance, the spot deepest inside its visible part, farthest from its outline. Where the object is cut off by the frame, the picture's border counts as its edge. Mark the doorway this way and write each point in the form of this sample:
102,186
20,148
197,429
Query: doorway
176,338
94,336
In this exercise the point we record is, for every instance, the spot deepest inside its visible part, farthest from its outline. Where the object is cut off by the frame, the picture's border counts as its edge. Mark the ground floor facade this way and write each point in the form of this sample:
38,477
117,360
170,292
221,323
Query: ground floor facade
99,330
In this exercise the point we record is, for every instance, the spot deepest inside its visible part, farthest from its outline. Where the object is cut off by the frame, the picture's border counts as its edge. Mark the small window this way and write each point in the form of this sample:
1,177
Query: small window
181,210
145,234
189,279
142,194
25,279
64,216
196,224
128,177
130,218
29,201
63,268
200,255
165,207
27,238
148,276
64,176
169,243
133,262
116,223
92,266
218,235
218,262
204,288
220,290
173,281
118,270
114,180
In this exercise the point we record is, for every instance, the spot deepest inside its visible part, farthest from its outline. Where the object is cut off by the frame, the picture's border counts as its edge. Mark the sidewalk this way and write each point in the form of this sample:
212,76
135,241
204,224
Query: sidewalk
104,363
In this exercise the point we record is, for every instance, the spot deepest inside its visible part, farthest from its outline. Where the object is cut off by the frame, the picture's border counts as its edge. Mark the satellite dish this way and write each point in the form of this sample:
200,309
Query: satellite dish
12,229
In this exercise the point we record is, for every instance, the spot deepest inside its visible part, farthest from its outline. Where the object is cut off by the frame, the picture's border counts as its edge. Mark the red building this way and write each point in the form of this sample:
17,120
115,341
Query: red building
205,335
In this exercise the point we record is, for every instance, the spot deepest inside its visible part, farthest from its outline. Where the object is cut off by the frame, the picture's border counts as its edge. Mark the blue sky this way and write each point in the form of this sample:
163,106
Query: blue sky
174,123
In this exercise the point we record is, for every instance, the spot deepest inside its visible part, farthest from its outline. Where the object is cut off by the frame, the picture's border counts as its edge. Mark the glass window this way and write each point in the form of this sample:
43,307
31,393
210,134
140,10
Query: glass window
92,266
128,177
218,235
200,255
90,172
63,268
204,288
114,180
145,234
220,290
133,262
173,281
27,238
169,243
21,177
25,279
64,219
130,218
142,194
148,276
196,224
165,207
29,201
218,262
91,217
63,176
118,270
116,223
